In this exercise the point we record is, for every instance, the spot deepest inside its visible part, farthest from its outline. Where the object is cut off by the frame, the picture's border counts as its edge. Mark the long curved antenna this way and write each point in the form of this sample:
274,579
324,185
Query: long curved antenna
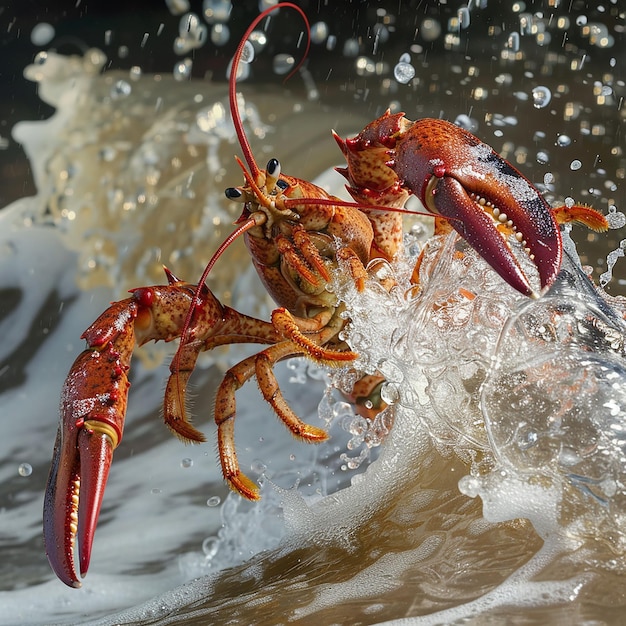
232,83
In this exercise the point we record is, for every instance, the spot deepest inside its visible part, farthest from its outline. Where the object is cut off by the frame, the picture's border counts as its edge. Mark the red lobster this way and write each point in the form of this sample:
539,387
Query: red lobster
298,235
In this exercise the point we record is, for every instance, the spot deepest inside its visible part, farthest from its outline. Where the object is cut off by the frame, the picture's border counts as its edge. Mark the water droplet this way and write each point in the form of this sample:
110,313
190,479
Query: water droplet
42,34
403,72
464,17
615,218
182,69
569,202
121,89
563,140
177,7
210,546
25,469
216,11
135,72
247,54
155,491
513,42
185,463
575,165
214,501
466,122
283,64
543,157
258,467
40,58
431,29
319,32
581,20
350,48
188,24
541,97
220,34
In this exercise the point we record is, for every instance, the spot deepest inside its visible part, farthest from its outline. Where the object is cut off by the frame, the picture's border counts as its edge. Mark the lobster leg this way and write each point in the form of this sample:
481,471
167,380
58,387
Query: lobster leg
261,365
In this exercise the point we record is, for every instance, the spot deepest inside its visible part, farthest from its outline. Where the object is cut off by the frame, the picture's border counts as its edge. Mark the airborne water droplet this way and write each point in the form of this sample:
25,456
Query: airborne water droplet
403,72
575,165
283,64
120,89
563,140
182,70
541,97
247,54
25,469
319,32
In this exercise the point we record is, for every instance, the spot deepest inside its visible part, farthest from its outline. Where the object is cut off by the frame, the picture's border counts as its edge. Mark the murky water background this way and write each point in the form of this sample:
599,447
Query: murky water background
130,174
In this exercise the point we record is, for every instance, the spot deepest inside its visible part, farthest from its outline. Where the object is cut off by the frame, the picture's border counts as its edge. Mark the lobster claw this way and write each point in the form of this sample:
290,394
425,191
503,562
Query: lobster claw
93,406
484,198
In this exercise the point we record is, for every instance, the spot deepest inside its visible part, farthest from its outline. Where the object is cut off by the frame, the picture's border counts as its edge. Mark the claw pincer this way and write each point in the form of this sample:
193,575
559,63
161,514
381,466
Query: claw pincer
93,405
458,177
93,409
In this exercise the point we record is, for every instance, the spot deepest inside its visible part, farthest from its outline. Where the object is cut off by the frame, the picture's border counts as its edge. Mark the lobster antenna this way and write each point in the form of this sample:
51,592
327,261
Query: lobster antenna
232,83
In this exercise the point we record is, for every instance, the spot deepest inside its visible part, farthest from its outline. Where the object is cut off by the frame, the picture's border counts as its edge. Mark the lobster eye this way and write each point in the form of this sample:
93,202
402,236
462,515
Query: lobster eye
283,184
273,168
232,193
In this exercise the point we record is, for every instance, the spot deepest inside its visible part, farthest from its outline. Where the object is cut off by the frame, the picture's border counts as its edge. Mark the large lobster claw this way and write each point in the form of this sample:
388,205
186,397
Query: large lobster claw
458,177
484,197
93,406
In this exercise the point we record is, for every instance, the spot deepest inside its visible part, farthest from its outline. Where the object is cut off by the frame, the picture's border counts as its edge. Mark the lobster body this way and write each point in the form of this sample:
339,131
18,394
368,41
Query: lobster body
295,250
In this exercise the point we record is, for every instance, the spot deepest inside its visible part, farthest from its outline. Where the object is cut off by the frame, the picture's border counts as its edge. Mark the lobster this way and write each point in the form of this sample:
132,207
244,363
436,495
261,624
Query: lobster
298,236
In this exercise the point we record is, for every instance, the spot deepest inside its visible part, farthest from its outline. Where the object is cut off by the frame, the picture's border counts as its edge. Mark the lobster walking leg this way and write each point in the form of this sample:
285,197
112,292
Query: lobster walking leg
261,366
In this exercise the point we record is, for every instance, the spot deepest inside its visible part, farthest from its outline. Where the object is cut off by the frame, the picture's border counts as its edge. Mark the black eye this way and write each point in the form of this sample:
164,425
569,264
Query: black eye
282,184
273,168
232,193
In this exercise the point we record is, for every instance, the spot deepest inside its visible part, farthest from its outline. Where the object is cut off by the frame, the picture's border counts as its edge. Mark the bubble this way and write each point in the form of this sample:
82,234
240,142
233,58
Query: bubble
543,157
155,491
548,178
214,501
466,122
220,34
188,24
121,89
177,7
541,97
247,54
563,140
403,73
283,64
575,165
350,48
186,463
25,469
615,218
464,17
42,34
430,29
182,69
216,11
258,467
513,42
210,546
319,32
